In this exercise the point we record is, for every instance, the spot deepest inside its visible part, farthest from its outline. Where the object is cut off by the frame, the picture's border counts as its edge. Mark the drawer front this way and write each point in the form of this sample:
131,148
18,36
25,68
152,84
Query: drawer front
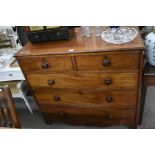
46,64
85,80
90,120
87,99
120,61
106,114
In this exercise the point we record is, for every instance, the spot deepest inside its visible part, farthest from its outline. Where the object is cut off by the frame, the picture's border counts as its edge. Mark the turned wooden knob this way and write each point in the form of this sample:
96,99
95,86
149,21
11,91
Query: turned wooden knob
45,65
106,62
56,98
107,81
51,82
62,114
109,116
109,99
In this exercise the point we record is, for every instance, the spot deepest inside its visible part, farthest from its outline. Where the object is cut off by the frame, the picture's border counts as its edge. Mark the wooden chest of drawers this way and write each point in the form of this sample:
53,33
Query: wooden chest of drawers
85,80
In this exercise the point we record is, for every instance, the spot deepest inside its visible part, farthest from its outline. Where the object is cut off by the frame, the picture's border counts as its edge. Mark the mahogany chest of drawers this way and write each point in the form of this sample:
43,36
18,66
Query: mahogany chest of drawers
85,80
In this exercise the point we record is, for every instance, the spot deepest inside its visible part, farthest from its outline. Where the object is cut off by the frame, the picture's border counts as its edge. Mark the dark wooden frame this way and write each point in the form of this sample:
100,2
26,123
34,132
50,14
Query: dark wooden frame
11,105
147,80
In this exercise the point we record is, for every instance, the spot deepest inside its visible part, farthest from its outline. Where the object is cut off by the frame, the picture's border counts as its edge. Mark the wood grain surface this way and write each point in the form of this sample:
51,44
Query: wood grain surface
87,99
78,44
108,61
47,64
85,80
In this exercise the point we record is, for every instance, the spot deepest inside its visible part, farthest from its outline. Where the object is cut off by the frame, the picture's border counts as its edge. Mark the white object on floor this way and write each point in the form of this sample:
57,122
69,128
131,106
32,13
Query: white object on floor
22,95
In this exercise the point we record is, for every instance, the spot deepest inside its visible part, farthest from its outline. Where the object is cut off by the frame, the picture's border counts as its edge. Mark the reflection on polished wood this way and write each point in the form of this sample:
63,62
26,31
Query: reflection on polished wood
78,44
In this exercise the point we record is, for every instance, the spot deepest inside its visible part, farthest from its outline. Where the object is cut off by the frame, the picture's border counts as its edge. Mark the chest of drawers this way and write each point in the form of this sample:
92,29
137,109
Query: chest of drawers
85,80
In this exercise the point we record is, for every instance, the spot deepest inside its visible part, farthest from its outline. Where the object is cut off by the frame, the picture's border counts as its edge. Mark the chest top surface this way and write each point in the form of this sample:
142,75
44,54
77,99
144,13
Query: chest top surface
78,44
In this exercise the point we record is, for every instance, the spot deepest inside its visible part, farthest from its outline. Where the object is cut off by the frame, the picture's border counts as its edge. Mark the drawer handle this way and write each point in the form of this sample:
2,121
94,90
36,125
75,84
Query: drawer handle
51,82
106,62
109,99
107,81
62,114
56,98
110,116
45,65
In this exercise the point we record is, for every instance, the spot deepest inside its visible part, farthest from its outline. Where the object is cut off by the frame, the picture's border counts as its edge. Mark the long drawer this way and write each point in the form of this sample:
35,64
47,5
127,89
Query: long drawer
91,114
90,120
85,80
108,61
46,64
87,99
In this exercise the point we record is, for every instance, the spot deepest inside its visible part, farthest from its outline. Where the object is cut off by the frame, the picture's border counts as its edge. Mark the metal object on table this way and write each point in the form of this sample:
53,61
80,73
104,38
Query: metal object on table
43,34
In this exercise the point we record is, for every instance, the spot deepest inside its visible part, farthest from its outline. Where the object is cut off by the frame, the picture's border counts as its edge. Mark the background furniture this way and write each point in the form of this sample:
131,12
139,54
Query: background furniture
85,80
5,43
148,80
8,115
12,76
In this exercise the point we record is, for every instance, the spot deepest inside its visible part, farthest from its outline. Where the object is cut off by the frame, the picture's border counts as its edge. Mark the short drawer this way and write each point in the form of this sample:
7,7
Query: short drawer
87,99
46,64
108,61
85,80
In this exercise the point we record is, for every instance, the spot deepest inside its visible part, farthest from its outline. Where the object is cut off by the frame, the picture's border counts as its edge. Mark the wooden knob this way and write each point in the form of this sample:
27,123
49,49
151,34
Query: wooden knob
106,62
62,114
110,116
45,65
56,98
107,81
51,82
109,99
